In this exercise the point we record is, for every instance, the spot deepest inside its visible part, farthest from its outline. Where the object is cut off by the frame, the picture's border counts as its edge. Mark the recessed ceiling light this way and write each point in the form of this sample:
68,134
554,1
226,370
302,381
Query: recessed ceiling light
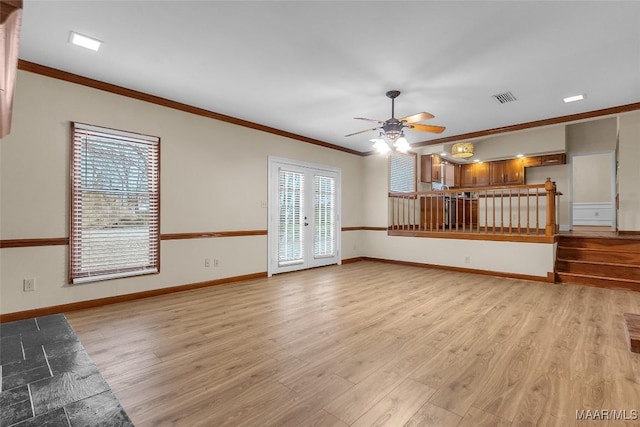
85,41
443,154
519,155
573,98
476,161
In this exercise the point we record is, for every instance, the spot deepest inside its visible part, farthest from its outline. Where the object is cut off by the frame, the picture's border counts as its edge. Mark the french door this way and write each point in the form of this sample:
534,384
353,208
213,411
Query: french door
304,220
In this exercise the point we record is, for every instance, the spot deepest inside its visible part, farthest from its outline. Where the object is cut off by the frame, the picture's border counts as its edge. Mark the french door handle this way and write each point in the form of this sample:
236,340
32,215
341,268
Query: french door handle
306,224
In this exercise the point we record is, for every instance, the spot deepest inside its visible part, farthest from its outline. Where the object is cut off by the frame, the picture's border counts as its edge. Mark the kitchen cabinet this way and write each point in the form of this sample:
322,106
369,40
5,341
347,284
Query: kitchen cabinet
436,168
507,172
475,175
553,159
430,168
425,168
547,160
501,172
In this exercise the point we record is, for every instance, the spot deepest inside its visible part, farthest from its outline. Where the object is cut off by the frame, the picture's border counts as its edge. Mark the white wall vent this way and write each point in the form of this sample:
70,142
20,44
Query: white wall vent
504,97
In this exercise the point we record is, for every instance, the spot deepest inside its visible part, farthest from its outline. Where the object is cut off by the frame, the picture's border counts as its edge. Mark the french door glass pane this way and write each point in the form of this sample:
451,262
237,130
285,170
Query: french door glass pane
291,218
324,239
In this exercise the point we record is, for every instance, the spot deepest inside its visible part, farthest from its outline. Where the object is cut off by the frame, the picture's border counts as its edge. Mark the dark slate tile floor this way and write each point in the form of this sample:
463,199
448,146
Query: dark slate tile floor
48,379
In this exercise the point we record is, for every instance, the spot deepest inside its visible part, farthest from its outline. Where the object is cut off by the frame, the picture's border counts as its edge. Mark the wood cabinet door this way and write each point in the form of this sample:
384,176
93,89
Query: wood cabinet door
425,168
553,159
513,171
467,175
482,174
531,161
497,172
547,160
436,170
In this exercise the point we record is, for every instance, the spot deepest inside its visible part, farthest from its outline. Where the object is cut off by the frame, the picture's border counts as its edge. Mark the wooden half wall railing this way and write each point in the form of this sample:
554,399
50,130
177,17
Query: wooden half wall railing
523,210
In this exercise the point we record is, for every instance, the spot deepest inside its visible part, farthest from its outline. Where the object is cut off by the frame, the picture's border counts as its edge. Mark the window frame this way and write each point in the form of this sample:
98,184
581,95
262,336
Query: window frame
415,171
153,174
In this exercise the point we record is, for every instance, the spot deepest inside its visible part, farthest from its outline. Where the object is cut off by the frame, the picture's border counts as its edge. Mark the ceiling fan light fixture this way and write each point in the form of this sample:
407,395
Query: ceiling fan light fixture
401,144
381,146
391,130
462,150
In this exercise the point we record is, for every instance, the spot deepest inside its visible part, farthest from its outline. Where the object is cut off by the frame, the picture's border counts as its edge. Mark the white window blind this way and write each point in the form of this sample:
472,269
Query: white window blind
324,239
115,204
402,173
291,218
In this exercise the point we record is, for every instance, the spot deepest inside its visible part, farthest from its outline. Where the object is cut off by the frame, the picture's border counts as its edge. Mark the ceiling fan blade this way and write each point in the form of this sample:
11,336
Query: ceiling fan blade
427,128
362,131
418,117
370,120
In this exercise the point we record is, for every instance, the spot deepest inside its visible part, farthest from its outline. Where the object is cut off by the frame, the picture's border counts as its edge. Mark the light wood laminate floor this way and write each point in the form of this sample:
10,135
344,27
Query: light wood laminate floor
368,344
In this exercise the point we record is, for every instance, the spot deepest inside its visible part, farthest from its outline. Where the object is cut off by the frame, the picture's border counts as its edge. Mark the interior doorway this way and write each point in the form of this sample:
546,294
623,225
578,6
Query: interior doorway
593,190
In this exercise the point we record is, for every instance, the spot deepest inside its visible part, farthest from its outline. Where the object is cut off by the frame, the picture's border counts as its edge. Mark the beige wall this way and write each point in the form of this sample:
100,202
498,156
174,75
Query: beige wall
213,178
592,175
629,172
548,139
534,259
592,136
542,140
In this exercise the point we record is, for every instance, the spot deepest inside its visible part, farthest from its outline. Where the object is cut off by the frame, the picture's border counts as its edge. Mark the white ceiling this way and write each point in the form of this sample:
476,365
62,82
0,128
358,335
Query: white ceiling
310,67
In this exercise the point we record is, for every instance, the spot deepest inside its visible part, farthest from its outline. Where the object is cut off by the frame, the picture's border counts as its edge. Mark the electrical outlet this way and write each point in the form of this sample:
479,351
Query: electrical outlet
29,285
207,262
263,204
216,262
467,260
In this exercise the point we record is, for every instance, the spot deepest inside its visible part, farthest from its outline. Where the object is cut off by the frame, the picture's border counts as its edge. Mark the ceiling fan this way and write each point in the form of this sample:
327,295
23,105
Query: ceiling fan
393,129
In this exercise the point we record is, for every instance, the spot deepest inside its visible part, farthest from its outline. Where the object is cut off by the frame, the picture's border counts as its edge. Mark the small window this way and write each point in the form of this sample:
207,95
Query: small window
402,173
115,204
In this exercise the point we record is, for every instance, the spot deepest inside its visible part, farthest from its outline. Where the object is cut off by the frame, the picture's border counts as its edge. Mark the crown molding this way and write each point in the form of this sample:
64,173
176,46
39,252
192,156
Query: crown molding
537,123
130,93
43,70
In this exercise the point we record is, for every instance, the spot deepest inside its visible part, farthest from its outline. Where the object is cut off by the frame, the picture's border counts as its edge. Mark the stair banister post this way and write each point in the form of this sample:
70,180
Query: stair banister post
550,188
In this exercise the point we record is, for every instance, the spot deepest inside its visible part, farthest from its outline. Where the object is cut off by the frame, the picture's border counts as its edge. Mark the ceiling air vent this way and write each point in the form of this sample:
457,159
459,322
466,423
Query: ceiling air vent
504,97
